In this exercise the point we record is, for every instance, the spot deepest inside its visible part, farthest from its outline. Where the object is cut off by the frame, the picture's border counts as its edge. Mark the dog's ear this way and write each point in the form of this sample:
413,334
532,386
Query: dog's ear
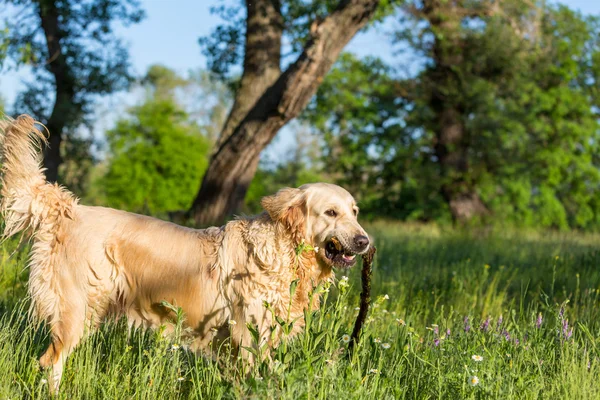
288,206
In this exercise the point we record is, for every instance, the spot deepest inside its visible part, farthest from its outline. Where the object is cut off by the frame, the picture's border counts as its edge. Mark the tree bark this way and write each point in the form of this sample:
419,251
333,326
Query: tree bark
234,163
452,152
65,91
262,60
452,143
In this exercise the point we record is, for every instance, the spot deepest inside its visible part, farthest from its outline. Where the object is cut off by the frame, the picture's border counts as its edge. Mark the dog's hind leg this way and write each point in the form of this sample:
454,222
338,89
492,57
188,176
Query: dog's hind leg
66,334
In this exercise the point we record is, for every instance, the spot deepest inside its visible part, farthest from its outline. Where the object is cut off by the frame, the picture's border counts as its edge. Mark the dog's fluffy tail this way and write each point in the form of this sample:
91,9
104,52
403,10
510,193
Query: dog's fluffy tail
28,202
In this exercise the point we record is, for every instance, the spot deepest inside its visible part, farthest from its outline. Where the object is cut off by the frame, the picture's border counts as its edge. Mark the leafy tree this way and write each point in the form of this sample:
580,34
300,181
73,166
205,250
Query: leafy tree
502,119
352,110
156,155
268,97
74,56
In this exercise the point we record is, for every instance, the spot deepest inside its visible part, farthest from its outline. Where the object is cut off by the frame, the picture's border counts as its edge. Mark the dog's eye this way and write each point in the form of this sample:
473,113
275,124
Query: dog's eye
331,213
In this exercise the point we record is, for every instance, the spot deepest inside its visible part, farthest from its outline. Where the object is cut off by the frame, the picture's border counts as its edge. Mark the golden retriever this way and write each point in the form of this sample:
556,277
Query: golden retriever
91,263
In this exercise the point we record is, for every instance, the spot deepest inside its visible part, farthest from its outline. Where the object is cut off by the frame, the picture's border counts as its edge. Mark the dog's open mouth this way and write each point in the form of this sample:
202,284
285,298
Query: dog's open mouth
337,255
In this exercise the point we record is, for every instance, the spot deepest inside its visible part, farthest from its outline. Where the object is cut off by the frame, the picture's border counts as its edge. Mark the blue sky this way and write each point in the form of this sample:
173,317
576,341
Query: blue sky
169,35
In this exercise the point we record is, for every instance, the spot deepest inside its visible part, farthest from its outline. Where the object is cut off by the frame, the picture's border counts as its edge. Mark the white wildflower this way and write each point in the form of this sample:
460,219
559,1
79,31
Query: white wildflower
343,283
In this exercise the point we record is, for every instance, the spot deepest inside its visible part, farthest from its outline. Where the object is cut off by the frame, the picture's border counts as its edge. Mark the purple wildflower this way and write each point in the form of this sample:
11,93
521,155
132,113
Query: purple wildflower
561,313
499,323
538,321
506,334
448,332
566,332
436,335
485,324
467,325
516,341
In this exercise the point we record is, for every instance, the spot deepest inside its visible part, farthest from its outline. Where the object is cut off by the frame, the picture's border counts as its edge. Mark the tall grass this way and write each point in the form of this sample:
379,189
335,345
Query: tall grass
525,304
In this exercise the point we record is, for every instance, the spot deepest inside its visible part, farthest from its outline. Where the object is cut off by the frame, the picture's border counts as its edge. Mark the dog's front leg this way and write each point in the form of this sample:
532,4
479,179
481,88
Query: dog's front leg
251,334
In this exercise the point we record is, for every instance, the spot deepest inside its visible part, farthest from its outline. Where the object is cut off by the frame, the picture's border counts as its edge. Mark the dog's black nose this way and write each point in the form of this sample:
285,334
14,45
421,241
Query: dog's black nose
361,242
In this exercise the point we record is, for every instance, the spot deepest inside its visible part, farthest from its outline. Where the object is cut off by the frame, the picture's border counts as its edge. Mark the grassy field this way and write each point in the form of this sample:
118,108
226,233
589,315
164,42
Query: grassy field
455,316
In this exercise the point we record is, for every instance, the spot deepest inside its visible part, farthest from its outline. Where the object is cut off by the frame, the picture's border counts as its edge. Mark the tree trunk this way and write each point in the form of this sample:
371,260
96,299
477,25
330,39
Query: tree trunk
452,151
65,91
235,161
452,143
262,60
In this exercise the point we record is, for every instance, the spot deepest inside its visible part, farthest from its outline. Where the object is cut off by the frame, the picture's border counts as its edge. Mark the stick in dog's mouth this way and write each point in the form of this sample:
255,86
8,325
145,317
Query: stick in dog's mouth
365,297
339,257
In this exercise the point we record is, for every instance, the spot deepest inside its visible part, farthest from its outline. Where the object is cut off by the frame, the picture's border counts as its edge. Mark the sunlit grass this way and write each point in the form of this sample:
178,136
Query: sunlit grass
480,315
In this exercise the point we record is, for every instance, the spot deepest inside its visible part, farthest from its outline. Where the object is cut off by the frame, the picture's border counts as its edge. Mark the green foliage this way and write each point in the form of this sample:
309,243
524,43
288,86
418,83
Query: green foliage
415,344
158,153
13,273
527,95
156,159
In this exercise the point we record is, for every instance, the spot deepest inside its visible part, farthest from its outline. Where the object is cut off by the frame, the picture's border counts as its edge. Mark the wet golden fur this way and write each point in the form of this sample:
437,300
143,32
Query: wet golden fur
90,263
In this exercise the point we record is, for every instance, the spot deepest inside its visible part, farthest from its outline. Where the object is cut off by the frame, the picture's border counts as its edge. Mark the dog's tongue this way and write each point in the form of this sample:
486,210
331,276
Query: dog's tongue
349,257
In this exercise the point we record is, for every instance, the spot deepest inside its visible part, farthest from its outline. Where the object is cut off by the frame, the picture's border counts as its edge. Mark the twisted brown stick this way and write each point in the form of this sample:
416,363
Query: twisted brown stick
365,297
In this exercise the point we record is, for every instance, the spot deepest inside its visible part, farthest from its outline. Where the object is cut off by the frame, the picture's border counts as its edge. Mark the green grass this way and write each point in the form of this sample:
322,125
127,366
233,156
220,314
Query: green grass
435,280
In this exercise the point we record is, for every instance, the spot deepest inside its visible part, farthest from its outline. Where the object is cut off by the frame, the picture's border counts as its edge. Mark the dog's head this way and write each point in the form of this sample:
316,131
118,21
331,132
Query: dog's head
324,216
